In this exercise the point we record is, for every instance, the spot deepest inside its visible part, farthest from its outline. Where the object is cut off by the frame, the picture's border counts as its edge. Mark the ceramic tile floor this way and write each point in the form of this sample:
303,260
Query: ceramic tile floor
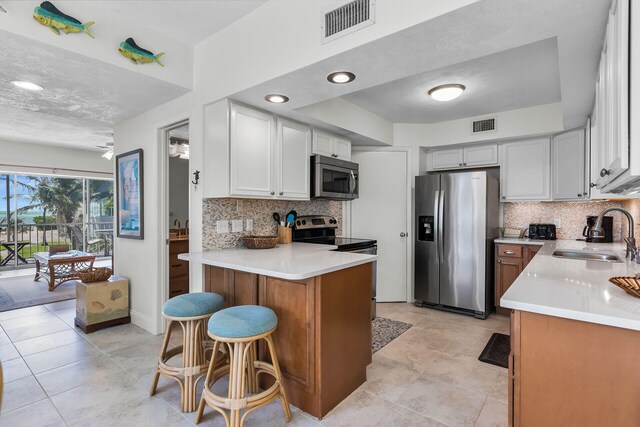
57,376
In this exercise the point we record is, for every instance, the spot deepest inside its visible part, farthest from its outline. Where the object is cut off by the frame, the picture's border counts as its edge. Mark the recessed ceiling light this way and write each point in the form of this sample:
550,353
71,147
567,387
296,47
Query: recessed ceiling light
446,92
26,85
276,98
341,77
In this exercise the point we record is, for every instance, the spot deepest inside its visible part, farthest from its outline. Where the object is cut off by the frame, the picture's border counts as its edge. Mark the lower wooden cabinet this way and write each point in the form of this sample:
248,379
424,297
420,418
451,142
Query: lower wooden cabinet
510,261
565,372
178,269
323,339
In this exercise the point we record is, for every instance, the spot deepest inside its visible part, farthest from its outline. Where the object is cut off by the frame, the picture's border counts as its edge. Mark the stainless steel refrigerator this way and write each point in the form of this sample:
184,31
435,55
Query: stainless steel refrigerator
456,219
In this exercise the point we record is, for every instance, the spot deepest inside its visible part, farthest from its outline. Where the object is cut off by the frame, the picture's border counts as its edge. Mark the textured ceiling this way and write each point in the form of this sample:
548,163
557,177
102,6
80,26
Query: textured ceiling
82,98
463,41
516,78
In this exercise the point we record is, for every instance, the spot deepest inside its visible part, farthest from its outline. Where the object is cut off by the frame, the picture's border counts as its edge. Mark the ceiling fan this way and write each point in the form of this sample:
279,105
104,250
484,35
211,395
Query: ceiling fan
108,154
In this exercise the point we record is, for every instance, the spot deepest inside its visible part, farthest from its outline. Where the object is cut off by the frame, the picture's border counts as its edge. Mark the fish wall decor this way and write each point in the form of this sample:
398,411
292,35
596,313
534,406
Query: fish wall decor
129,49
49,16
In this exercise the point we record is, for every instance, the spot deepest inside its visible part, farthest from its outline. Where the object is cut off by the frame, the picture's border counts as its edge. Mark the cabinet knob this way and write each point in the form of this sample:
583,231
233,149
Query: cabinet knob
585,194
459,164
605,172
464,164
273,193
504,197
592,184
499,261
579,194
281,193
403,234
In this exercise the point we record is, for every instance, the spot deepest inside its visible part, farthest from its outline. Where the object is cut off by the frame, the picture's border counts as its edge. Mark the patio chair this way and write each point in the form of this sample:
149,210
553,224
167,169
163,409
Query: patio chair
93,245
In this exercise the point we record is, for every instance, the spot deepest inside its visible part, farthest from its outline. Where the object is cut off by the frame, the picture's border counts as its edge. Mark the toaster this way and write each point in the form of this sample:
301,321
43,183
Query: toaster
542,231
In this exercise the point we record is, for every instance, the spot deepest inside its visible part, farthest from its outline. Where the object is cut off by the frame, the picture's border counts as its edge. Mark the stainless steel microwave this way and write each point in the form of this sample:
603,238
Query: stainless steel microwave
333,179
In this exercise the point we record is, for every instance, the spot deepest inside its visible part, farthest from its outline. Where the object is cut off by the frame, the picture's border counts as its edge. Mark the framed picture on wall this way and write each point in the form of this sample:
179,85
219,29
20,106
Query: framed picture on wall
130,189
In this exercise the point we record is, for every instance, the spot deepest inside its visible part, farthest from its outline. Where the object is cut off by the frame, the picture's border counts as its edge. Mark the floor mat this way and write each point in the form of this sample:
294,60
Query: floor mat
20,292
384,331
497,350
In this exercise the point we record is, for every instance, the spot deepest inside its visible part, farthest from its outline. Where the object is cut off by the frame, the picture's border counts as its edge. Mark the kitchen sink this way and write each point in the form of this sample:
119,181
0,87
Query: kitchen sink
587,255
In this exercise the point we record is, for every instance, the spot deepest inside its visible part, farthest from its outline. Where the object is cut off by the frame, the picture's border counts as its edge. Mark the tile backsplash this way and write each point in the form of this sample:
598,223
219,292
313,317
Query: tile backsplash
571,214
261,212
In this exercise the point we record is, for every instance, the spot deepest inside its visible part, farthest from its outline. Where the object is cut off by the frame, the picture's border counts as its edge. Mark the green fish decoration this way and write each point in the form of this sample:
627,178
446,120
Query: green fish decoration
49,16
129,49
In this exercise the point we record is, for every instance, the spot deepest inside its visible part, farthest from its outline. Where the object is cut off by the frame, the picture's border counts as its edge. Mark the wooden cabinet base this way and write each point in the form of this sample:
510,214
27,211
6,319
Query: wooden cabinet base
323,339
87,329
571,373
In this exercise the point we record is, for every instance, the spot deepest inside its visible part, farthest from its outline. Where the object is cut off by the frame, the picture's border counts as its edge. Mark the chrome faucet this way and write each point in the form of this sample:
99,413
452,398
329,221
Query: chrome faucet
597,232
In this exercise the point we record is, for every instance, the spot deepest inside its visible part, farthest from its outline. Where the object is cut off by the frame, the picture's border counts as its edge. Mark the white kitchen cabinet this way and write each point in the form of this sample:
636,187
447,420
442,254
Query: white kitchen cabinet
568,172
472,156
612,102
252,141
326,144
250,153
294,149
525,170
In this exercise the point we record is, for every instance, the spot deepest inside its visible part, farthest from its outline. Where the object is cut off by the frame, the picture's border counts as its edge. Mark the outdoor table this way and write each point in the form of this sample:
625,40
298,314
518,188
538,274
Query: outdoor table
13,251
62,267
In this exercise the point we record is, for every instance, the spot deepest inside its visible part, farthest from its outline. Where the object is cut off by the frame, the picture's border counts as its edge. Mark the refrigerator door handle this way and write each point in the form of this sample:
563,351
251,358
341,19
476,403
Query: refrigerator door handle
440,227
436,225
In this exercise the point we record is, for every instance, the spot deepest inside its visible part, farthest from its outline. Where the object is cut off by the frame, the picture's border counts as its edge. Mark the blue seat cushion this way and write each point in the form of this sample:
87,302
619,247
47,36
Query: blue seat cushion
242,321
194,304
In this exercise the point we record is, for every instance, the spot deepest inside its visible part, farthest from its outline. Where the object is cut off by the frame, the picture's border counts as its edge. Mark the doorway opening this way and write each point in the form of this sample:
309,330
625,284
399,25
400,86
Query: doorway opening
177,192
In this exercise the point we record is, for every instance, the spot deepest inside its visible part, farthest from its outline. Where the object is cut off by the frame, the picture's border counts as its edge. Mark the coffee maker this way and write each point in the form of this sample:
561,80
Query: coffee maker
607,225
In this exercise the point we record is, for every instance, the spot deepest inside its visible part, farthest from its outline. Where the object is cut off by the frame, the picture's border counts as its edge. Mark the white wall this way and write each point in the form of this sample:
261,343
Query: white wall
141,260
53,160
178,190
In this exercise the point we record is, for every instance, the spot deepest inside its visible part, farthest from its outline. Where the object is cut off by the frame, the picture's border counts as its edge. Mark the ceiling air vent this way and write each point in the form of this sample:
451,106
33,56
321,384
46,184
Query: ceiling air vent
484,125
348,18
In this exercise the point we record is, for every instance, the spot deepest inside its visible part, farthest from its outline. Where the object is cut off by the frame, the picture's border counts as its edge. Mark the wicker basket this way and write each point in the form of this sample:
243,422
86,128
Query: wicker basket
260,242
630,284
96,275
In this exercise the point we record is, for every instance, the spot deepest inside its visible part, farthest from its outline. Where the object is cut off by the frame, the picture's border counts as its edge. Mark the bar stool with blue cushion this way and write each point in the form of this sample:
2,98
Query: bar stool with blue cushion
239,329
191,311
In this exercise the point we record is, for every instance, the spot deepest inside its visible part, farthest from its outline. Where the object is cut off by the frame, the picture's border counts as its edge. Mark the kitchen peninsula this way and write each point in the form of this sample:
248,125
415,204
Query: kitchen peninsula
322,299
575,340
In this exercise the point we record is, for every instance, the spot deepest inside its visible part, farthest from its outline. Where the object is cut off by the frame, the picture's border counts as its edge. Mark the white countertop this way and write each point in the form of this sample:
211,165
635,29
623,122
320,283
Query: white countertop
576,289
514,241
296,261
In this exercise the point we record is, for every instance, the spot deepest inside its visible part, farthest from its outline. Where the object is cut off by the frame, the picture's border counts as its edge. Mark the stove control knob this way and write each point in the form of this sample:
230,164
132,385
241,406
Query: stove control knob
298,222
304,222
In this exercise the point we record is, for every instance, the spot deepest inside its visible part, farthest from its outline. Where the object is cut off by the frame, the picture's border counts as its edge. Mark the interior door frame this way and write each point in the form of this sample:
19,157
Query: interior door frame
164,223
347,218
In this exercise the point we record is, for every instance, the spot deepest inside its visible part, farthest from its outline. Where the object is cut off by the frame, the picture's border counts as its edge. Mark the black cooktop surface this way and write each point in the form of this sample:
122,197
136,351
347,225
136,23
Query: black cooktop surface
343,243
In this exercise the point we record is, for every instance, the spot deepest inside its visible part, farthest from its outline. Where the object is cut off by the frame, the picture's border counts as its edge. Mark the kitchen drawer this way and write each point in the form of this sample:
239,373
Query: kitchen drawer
178,286
178,267
509,251
178,246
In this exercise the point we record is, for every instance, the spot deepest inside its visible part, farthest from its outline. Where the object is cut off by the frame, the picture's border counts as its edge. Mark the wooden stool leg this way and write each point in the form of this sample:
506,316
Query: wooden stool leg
210,371
252,379
190,357
163,350
276,368
237,381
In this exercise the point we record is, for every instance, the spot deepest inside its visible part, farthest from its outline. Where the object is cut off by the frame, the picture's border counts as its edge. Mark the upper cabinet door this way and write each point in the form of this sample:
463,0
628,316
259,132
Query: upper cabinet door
481,155
252,137
447,159
322,143
294,151
568,175
613,99
525,170
342,148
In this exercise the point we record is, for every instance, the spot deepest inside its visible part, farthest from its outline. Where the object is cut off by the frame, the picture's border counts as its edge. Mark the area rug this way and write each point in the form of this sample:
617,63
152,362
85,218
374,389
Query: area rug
384,331
20,292
497,350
